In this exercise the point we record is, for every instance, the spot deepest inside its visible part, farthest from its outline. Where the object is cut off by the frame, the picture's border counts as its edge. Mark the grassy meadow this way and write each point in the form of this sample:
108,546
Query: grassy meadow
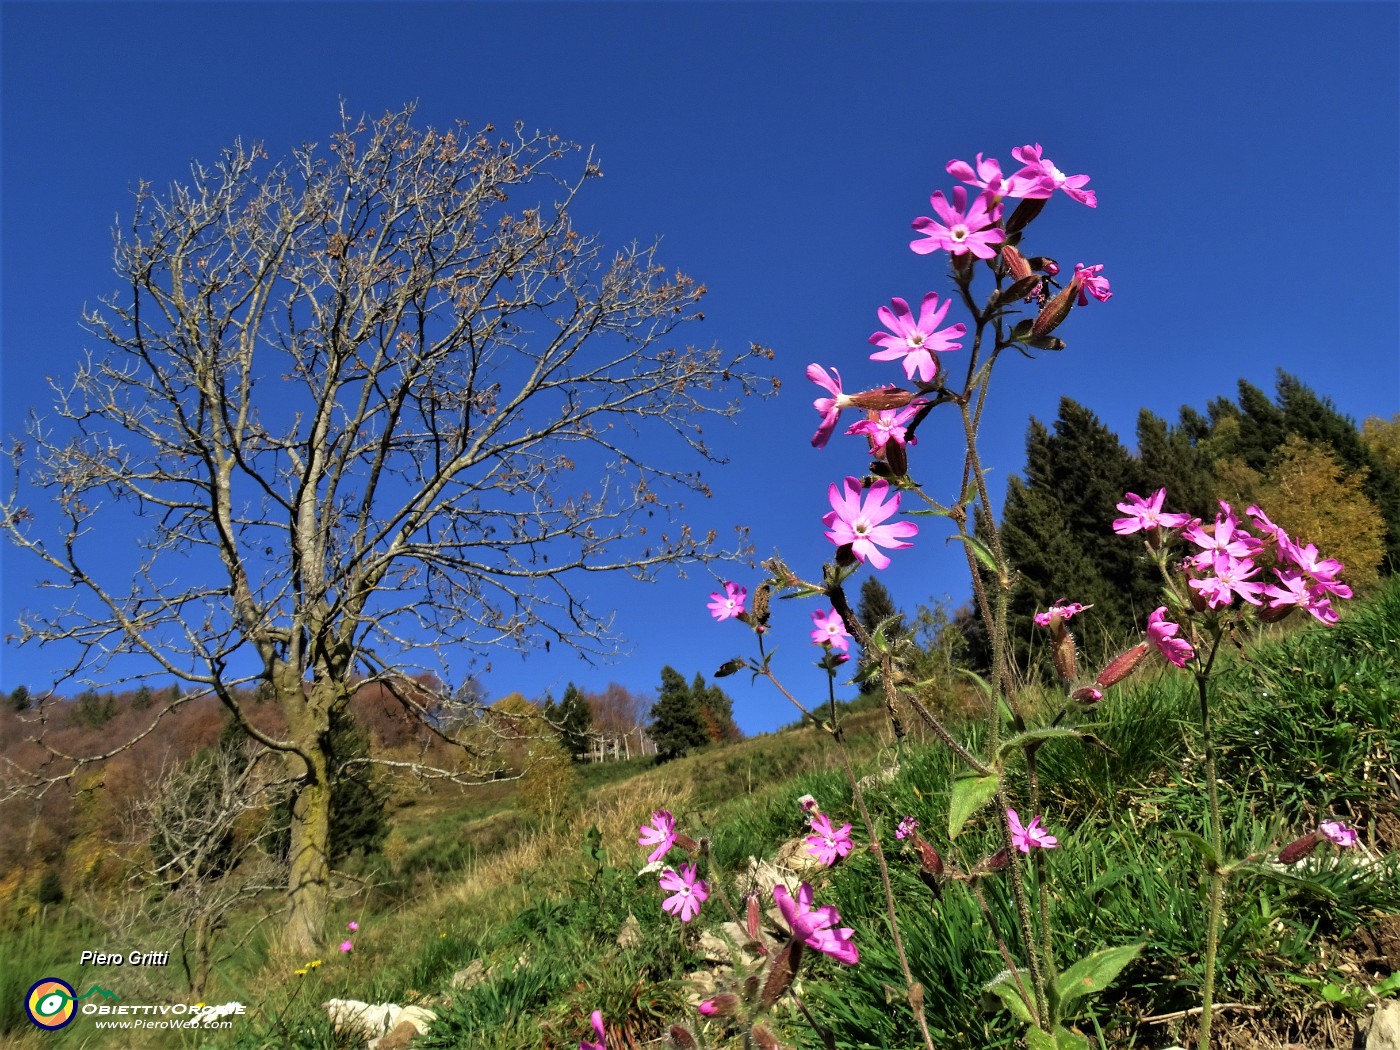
559,922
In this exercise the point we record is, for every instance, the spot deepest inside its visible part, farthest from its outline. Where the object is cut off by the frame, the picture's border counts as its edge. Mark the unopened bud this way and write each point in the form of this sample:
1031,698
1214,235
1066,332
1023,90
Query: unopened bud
882,399
1016,264
722,1005
681,1039
1122,665
1056,310
896,458
1024,214
764,1038
687,843
1086,696
962,267
996,862
929,859
1063,654
1299,848
1274,613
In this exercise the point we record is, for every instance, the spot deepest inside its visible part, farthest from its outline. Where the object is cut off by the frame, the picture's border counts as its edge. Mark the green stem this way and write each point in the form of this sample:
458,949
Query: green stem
1217,836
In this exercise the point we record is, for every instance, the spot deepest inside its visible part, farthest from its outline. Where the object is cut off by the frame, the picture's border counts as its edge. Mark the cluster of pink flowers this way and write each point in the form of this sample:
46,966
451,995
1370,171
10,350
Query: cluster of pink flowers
687,891
661,833
1224,566
1061,611
830,843
906,828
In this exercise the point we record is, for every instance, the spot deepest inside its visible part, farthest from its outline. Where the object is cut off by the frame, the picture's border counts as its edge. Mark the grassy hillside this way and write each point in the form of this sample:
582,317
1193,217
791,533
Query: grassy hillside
561,924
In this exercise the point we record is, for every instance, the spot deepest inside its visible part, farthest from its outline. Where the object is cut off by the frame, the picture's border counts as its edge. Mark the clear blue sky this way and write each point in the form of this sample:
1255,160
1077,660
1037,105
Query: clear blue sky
1245,158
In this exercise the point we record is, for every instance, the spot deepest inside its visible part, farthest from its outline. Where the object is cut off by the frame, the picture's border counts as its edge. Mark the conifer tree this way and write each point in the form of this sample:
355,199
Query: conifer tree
875,607
716,711
573,721
677,722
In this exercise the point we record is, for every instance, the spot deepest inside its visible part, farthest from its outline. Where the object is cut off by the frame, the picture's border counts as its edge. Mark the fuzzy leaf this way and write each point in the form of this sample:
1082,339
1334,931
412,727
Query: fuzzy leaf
1031,735
1067,1040
979,549
1039,1039
784,969
970,793
1200,845
1003,989
1094,973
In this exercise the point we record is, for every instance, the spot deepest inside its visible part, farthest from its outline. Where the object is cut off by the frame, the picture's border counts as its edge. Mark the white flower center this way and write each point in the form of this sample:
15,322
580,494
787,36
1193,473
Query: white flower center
960,232
1055,173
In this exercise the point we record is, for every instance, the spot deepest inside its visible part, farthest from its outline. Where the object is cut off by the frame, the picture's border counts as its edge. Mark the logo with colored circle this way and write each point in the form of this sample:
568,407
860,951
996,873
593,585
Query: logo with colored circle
51,1003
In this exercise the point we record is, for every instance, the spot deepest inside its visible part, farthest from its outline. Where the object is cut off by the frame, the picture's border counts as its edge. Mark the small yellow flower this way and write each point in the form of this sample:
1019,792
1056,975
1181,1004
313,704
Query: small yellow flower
300,973
314,963
442,935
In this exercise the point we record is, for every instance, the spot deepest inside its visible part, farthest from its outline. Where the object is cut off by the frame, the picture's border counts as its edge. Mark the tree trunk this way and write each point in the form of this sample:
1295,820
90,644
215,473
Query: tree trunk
309,859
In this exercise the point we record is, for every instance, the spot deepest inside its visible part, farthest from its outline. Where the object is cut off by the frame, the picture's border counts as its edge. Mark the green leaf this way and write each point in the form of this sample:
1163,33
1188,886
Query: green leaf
1003,989
1094,973
1067,1040
1389,986
803,592
970,793
979,549
1200,845
1031,735
940,512
730,667
1039,1039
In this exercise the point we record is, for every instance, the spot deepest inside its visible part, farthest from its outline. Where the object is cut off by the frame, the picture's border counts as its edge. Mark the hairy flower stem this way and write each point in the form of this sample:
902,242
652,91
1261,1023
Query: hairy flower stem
914,989
1024,914
1213,867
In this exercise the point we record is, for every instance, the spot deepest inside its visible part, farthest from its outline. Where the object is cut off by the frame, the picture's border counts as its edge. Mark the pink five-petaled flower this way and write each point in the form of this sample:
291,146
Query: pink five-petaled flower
829,629
1090,283
352,926
1060,611
346,946
906,828
688,892
730,603
856,520
916,342
963,229
1323,571
1023,838
829,844
1146,514
886,427
1040,178
829,407
1296,591
1338,833
661,833
816,927
602,1043
1226,537
1161,632
1232,577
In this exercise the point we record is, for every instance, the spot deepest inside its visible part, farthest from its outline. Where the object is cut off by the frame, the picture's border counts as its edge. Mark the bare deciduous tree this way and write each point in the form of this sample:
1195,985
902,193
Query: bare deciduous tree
368,405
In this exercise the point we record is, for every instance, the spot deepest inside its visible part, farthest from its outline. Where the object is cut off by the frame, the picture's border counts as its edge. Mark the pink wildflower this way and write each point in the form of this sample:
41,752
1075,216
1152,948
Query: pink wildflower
1225,537
808,804
688,892
1040,178
1339,833
916,342
887,427
829,629
1059,613
1146,514
857,521
352,926
1023,838
1090,283
829,844
906,828
602,1043
829,407
1162,633
1293,589
1232,577
661,833
346,946
1323,571
963,229
730,604
815,927
987,175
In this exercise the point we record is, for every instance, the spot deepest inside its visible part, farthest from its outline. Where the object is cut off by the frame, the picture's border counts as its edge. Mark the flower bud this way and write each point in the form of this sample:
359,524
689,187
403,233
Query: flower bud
1062,656
882,399
897,459
764,1038
1086,696
1056,310
929,859
996,862
1016,264
687,843
1024,214
1299,848
1273,613
722,1005
681,1039
1122,665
